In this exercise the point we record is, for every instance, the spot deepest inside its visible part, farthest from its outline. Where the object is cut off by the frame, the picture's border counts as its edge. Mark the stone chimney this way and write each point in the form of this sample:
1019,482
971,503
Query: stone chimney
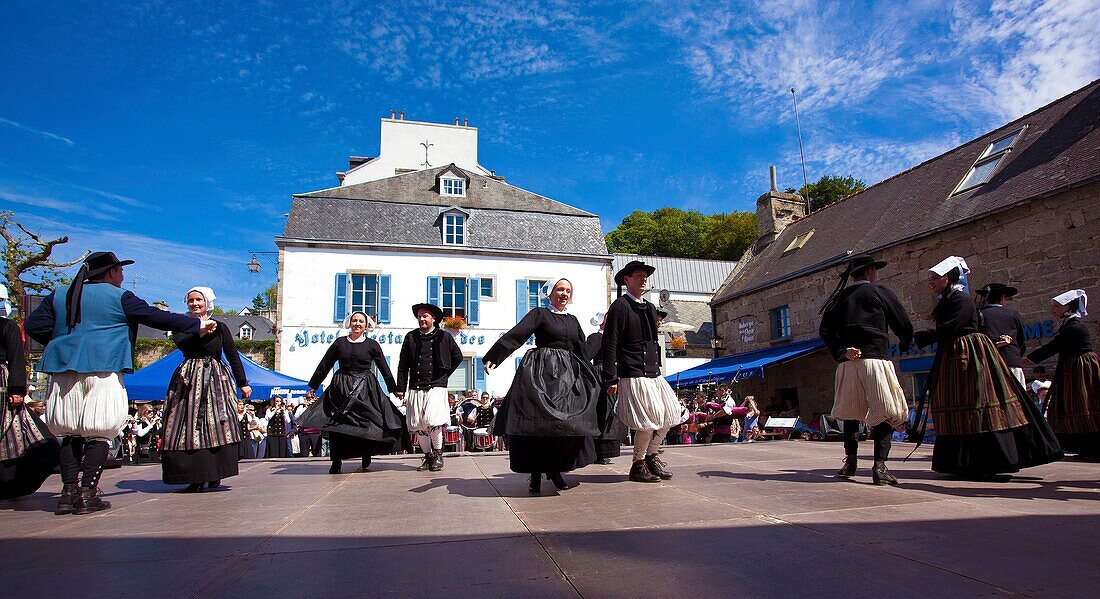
776,210
161,305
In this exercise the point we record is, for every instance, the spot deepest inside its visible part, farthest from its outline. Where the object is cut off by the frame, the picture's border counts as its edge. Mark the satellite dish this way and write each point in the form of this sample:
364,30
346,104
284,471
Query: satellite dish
663,295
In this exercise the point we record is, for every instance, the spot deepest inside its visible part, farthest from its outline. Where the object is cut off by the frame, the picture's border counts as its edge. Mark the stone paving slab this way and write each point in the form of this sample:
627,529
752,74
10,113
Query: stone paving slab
760,520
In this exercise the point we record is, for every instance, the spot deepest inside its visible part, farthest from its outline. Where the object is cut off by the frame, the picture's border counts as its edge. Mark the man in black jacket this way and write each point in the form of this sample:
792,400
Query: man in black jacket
428,357
1004,326
855,327
631,364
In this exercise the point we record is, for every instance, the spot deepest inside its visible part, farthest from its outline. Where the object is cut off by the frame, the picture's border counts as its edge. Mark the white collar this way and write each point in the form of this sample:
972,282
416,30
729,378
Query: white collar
554,310
631,296
994,305
859,282
361,338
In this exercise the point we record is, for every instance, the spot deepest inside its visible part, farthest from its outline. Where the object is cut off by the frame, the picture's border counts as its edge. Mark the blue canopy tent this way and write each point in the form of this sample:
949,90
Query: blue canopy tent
742,366
151,383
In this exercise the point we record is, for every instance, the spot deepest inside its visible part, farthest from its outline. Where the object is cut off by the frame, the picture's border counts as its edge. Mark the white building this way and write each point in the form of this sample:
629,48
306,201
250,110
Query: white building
452,235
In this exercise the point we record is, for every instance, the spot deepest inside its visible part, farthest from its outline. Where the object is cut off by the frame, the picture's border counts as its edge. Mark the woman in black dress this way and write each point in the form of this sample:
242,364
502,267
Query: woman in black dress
362,421
28,452
612,430
279,421
1074,398
201,427
549,413
985,422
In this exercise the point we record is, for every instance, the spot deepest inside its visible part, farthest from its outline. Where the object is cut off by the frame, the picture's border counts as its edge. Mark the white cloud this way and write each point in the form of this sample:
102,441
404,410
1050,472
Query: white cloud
46,134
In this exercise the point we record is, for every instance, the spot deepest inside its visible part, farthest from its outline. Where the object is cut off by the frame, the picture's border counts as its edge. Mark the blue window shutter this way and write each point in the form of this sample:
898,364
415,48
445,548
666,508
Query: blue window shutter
340,305
434,283
473,314
479,374
521,299
384,299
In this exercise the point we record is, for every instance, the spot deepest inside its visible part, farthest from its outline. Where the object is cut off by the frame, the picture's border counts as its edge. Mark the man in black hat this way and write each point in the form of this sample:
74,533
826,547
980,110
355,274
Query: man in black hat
88,329
854,326
631,364
1004,326
428,357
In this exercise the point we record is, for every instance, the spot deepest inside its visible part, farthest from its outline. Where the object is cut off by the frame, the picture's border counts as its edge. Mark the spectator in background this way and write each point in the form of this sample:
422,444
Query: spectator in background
309,439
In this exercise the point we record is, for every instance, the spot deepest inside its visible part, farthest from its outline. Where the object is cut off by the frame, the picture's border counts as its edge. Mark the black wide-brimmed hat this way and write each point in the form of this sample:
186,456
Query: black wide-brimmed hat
861,262
436,311
998,290
661,313
629,269
100,262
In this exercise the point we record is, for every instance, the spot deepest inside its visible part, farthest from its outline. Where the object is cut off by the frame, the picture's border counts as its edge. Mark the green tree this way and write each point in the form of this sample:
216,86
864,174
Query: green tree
829,189
267,299
680,233
27,264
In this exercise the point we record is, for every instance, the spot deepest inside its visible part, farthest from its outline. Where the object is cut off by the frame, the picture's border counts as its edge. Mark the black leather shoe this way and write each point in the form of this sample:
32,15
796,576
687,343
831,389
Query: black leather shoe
89,501
366,462
192,488
881,476
849,469
556,478
640,473
535,485
214,484
604,461
69,495
657,467
425,464
437,462
335,467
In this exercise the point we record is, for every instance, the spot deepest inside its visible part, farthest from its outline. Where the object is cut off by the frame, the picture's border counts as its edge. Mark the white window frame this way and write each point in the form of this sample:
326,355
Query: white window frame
351,307
451,311
246,328
496,290
457,228
988,156
447,187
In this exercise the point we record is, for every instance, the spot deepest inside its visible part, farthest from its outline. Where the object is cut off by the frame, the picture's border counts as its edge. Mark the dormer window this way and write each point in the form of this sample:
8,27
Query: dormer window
246,332
452,186
988,162
454,228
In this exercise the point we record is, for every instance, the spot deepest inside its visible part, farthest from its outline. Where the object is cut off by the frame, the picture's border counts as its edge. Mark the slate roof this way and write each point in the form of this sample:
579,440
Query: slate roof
405,210
686,275
1059,150
261,328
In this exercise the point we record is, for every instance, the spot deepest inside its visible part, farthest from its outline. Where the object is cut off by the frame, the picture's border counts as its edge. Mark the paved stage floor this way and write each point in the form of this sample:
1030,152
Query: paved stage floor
762,520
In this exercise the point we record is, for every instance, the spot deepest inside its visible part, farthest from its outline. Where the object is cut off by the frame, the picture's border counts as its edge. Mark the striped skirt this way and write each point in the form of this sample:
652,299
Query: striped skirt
19,428
973,390
1074,403
200,409
647,404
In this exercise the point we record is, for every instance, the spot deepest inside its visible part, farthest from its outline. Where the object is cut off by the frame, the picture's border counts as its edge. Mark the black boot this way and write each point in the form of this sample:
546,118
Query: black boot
214,484
640,473
335,467
656,466
881,476
70,494
192,488
556,478
437,461
366,462
89,501
849,469
535,486
427,463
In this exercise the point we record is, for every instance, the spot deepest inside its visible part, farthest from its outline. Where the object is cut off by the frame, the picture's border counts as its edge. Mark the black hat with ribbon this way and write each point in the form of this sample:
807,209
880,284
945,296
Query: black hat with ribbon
633,265
94,265
861,262
436,311
997,290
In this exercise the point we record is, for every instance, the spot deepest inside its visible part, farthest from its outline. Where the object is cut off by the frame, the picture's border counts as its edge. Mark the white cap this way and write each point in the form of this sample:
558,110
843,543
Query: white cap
347,320
1071,295
597,320
951,262
207,293
548,287
3,291
1036,385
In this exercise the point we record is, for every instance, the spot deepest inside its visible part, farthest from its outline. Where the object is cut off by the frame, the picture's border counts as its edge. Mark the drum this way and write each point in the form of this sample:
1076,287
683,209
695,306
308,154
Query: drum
451,435
482,439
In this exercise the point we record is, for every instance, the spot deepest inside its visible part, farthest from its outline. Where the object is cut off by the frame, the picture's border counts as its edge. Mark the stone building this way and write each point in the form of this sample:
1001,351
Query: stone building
1021,204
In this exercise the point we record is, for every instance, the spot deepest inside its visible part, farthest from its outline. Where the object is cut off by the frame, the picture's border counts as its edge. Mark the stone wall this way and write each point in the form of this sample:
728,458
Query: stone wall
1044,248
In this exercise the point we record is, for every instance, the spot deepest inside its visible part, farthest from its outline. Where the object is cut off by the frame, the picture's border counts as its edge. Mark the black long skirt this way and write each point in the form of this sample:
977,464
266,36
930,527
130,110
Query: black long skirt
197,466
246,450
25,474
356,417
277,447
528,454
610,441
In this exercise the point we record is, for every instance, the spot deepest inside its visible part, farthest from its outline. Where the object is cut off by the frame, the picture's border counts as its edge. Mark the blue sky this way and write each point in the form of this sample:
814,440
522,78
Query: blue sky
174,133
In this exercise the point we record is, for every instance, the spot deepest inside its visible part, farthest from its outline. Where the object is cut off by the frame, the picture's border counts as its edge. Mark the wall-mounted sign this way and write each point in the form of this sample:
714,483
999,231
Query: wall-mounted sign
325,336
747,331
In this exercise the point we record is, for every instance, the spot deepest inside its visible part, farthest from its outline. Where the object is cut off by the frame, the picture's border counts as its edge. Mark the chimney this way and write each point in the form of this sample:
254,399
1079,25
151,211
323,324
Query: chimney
402,115
393,114
161,305
456,121
776,210
465,122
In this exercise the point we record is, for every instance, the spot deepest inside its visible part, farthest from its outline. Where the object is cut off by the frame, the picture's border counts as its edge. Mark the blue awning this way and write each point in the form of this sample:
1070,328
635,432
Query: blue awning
151,383
921,364
743,366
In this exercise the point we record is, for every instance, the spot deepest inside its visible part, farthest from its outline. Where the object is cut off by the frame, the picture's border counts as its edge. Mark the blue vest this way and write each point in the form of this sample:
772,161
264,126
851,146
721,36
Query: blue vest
100,342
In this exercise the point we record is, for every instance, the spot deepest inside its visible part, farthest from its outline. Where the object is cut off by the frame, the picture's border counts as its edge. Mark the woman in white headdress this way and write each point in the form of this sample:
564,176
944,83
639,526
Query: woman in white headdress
201,428
985,421
361,420
28,452
1074,397
549,413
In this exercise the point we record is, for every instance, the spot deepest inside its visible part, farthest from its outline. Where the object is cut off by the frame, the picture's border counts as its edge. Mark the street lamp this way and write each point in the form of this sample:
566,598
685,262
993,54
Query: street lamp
254,265
716,345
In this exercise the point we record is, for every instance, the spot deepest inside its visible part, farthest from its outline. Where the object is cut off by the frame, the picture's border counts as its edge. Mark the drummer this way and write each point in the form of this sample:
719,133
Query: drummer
477,420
